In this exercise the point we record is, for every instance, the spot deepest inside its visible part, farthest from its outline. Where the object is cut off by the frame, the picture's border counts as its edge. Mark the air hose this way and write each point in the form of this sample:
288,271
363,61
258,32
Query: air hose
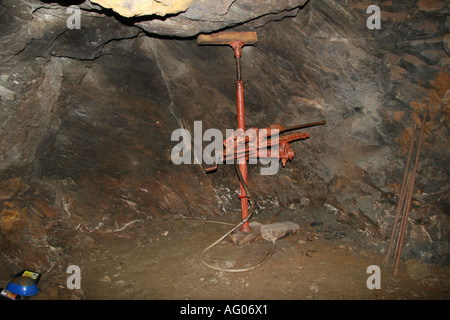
252,204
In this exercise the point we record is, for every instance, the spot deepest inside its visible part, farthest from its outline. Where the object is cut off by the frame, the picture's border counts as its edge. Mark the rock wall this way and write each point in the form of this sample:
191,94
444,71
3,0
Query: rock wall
86,118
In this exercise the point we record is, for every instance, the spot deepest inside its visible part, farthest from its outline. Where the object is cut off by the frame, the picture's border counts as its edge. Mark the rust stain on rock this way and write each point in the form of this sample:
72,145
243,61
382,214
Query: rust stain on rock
398,115
438,100
45,209
9,188
10,221
430,5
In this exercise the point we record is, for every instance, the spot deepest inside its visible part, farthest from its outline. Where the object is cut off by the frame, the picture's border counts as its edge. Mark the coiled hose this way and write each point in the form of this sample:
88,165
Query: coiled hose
252,204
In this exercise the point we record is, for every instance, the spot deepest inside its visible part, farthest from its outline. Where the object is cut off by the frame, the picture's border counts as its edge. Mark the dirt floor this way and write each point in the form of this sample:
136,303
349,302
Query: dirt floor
160,259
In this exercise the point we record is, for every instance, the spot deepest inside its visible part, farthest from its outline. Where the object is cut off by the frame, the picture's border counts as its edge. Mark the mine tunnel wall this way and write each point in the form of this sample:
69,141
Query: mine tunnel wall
87,116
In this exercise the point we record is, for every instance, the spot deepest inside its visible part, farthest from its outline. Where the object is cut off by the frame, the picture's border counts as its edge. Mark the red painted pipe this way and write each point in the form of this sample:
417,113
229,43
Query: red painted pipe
237,46
242,164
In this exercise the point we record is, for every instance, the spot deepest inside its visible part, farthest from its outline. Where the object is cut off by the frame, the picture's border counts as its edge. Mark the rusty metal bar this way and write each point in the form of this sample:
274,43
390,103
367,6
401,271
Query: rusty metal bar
403,219
402,196
410,193
307,125
237,46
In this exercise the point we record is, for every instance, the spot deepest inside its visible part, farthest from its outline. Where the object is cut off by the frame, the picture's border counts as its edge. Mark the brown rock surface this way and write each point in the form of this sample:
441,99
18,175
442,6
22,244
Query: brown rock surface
88,130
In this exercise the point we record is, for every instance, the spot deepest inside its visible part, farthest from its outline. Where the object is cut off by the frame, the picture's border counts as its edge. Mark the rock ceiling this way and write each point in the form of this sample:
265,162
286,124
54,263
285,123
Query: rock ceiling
186,18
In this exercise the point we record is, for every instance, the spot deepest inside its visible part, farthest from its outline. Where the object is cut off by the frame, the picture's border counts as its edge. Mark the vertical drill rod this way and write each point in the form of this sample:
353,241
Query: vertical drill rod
237,45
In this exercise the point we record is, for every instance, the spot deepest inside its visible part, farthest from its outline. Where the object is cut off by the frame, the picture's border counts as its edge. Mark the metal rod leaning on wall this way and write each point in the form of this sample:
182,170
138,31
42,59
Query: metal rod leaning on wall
410,193
403,221
402,196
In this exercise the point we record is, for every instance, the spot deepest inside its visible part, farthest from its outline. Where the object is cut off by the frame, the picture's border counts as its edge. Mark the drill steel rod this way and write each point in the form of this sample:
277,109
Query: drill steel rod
307,125
237,46
410,193
403,219
402,196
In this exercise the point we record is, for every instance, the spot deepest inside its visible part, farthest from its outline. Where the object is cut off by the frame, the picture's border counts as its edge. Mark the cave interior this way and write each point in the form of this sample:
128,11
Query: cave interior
91,93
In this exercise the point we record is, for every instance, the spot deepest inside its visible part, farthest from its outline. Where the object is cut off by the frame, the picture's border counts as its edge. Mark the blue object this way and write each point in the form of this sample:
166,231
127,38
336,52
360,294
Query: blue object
23,286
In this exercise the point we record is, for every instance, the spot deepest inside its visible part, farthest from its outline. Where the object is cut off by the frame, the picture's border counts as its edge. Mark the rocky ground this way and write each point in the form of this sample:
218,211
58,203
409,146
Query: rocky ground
161,260
86,118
